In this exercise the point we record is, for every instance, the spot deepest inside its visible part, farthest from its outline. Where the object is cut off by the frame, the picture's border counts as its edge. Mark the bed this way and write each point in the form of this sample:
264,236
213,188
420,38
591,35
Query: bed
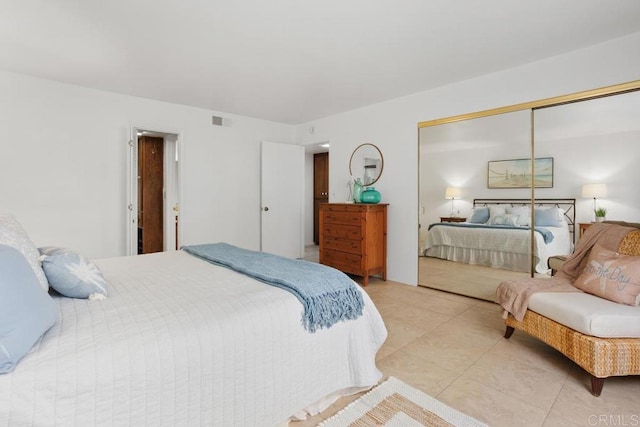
503,239
180,341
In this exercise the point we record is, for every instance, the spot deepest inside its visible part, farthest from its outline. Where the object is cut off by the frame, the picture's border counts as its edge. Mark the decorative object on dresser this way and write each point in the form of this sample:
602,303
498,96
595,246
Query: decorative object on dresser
353,238
370,195
357,190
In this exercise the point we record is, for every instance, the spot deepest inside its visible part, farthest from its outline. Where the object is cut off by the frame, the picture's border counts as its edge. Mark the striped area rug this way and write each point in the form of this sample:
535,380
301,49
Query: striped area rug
394,404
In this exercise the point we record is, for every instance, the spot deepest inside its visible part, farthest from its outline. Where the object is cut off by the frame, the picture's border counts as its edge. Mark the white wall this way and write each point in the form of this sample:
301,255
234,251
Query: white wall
392,127
64,162
576,162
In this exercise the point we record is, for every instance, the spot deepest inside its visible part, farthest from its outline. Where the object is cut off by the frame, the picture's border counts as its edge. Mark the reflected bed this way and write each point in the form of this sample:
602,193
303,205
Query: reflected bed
500,241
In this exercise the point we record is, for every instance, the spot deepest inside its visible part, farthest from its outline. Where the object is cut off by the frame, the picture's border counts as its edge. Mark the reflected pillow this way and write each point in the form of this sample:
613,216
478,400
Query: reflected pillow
505,219
479,215
495,211
611,275
12,234
26,310
71,274
547,217
522,212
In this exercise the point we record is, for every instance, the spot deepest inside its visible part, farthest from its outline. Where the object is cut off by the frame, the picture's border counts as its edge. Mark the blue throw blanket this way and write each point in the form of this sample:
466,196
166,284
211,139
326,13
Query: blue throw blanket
327,295
546,234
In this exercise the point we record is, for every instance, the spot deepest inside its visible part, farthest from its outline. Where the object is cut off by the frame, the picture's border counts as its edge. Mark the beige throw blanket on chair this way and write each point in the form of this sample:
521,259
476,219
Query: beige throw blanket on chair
513,295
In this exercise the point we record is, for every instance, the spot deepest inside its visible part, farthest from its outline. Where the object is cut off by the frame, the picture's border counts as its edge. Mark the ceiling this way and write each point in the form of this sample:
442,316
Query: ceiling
293,61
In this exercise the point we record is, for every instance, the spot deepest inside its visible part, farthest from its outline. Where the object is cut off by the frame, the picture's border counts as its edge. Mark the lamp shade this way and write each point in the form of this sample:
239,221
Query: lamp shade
591,191
452,193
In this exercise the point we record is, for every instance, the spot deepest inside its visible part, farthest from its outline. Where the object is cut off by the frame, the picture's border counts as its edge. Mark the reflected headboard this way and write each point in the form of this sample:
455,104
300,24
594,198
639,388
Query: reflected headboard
568,206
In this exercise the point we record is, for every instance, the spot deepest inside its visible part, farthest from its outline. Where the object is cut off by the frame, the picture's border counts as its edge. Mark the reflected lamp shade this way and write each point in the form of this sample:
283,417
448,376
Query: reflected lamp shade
594,191
452,193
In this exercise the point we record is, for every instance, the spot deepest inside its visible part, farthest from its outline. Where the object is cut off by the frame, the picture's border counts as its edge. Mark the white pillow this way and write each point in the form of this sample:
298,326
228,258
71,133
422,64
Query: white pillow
496,211
522,212
12,234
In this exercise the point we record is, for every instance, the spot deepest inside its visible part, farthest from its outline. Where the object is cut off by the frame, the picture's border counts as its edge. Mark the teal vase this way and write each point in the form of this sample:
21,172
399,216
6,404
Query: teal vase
370,195
357,190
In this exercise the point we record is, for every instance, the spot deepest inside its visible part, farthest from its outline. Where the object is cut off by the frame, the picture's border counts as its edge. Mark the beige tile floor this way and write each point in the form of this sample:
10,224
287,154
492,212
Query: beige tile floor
451,347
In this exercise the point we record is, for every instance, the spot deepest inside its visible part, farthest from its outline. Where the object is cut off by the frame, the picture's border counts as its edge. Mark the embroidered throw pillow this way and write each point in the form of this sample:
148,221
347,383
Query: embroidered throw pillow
72,274
505,219
612,276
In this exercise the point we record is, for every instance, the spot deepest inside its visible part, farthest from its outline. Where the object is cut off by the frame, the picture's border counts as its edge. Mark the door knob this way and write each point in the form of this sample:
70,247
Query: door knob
266,208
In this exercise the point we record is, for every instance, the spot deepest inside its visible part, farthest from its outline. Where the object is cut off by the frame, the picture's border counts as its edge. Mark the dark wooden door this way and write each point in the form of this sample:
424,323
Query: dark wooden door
320,189
150,194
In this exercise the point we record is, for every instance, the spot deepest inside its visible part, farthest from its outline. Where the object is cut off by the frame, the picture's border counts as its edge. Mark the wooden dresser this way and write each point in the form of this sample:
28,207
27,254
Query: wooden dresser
353,238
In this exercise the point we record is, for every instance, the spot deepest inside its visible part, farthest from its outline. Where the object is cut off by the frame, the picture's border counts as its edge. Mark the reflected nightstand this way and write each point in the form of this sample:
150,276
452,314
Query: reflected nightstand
452,219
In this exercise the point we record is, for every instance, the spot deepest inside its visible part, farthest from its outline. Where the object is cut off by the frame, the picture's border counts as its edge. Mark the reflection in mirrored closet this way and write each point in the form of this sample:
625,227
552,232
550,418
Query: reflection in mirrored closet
476,201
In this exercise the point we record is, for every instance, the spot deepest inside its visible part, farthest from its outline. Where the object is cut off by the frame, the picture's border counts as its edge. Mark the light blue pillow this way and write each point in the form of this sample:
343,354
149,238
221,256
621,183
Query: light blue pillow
479,215
72,274
26,310
547,218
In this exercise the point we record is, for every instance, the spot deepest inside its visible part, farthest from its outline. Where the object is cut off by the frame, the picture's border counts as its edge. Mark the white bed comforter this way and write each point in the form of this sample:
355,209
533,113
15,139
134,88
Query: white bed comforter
182,342
501,248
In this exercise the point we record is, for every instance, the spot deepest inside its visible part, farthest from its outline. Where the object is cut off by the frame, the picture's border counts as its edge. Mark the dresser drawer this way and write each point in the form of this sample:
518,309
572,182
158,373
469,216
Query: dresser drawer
349,263
346,218
342,231
343,245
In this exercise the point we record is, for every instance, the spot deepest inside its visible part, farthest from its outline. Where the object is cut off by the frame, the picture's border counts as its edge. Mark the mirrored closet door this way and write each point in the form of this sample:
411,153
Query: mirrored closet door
456,203
505,169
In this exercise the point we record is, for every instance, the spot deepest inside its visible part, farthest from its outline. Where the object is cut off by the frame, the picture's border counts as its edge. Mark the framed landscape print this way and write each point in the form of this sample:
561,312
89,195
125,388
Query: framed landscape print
516,173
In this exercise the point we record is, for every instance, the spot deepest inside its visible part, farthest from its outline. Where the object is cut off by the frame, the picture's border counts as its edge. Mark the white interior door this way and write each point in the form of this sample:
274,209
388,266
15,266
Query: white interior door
282,192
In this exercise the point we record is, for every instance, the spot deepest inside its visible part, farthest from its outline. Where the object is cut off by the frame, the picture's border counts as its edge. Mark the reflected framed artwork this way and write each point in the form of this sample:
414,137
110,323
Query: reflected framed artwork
516,173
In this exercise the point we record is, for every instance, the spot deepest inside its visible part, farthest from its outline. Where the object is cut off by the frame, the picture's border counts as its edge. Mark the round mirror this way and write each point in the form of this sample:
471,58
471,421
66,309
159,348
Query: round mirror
366,163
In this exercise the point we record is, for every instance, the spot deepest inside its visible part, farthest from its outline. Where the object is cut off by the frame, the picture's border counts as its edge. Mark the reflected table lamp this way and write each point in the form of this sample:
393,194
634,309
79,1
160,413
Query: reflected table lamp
452,193
594,191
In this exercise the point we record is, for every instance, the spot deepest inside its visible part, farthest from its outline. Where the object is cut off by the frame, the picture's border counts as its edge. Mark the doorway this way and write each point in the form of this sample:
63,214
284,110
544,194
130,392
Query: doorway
320,189
154,183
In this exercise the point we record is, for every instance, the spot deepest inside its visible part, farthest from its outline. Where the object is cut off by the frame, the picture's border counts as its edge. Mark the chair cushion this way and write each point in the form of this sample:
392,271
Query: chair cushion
588,314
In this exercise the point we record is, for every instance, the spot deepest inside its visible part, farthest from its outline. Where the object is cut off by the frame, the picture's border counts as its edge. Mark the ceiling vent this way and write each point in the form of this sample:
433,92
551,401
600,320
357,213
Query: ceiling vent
221,121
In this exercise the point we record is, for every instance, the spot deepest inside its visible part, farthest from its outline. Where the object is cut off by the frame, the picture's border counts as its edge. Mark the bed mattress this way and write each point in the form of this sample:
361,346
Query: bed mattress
180,341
